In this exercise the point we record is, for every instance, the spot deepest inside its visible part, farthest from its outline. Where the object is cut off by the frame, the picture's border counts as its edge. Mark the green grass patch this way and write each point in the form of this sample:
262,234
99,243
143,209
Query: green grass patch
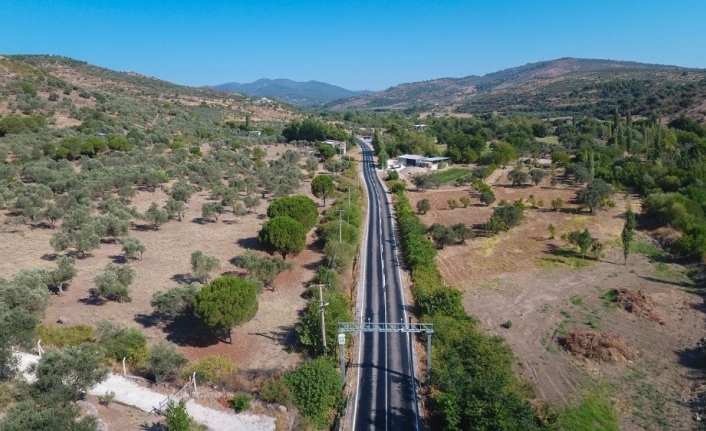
594,413
564,258
562,328
576,300
61,336
451,174
647,249
549,139
665,271
592,321
610,297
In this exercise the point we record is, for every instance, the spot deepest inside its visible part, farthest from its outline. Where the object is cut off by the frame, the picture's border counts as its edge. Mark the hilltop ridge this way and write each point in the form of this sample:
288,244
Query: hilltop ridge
564,86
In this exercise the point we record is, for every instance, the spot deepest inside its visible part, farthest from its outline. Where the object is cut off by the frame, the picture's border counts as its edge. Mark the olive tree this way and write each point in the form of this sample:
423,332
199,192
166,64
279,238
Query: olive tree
132,246
156,216
202,265
114,283
322,187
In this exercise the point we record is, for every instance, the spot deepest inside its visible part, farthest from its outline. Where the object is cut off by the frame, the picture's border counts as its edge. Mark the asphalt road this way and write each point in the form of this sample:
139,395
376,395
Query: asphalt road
385,398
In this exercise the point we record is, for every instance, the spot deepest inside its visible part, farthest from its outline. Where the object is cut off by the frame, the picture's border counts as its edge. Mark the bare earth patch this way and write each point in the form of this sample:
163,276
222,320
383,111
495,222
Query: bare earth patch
547,291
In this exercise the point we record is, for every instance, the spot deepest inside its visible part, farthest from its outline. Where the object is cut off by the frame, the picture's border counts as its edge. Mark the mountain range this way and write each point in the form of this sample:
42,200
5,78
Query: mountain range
566,86
305,94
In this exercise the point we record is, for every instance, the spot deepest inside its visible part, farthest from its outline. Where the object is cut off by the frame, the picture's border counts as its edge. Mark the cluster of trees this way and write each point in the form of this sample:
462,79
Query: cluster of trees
663,164
290,220
262,270
504,217
14,124
313,129
340,231
75,355
456,234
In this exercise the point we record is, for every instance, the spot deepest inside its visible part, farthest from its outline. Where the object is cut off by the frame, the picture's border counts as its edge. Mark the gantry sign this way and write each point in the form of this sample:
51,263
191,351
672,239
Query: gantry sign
346,327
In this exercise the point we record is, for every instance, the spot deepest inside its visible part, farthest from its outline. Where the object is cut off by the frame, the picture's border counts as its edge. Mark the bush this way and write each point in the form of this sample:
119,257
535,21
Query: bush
240,403
316,390
212,368
175,301
165,362
118,342
176,417
106,398
397,188
276,391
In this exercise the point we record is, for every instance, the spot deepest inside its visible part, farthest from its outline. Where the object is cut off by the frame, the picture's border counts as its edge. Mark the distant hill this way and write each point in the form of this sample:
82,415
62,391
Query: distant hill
566,86
66,90
306,94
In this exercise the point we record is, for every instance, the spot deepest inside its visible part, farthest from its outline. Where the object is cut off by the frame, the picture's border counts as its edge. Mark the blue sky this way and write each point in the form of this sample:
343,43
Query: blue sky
355,44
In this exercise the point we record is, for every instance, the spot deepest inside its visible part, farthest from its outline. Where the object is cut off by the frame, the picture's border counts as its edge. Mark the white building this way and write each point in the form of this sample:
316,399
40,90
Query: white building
338,145
420,161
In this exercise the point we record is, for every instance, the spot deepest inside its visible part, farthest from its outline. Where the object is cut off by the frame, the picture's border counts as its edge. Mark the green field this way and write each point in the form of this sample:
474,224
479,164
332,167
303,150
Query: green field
450,174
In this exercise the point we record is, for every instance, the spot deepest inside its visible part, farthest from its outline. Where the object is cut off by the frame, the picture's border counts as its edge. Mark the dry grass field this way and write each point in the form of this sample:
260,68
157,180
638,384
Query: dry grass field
546,291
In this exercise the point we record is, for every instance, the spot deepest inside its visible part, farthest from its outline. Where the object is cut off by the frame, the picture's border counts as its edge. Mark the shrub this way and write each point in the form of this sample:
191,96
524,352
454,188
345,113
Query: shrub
106,398
212,368
316,390
393,175
276,391
176,417
423,206
175,301
118,342
397,188
240,403
165,362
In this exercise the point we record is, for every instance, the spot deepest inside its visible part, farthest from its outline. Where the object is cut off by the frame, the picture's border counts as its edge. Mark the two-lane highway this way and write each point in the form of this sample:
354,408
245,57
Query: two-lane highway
385,397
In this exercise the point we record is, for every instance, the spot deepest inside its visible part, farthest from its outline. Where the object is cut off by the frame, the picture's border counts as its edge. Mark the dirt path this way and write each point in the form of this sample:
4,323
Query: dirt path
130,393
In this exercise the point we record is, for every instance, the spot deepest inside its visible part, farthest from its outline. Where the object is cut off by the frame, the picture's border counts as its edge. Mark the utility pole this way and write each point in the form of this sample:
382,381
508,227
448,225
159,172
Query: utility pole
340,223
322,308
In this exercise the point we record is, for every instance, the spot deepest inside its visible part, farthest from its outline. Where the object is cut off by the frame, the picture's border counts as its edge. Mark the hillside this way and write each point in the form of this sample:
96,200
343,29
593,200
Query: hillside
306,94
565,86
64,89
